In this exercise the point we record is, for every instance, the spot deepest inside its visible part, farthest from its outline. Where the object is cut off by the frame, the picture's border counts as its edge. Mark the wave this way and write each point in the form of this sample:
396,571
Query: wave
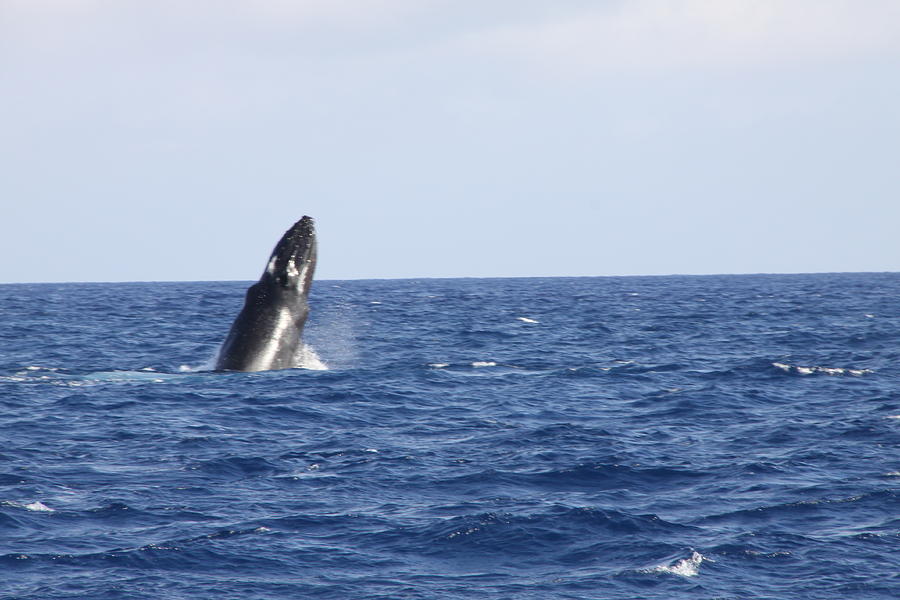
197,553
814,370
685,567
35,506
829,514
582,477
564,535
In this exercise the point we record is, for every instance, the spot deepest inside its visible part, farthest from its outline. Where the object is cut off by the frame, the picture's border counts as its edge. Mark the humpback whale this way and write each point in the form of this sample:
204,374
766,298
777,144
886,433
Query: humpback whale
266,333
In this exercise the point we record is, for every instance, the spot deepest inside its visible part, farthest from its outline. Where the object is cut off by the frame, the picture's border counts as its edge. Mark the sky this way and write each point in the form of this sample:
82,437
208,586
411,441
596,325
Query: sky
167,140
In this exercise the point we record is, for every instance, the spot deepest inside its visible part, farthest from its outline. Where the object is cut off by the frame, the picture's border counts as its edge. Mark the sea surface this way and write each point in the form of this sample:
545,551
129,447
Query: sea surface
728,437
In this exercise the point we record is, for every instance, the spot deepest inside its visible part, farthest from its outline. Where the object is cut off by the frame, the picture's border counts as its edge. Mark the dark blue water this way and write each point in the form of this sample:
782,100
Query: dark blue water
638,437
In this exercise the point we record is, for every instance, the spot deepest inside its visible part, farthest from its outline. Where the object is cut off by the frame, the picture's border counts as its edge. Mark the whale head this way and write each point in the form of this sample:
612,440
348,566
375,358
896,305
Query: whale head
293,261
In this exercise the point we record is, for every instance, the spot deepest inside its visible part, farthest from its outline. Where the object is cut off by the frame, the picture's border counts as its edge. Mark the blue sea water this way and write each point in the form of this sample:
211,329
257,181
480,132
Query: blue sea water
635,437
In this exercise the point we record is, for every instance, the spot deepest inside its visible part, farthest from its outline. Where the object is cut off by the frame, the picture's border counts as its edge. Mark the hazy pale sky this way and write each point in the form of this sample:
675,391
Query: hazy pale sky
177,140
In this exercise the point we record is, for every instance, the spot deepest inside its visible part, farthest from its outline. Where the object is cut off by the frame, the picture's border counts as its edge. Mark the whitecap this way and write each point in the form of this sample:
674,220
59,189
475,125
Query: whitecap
36,506
811,370
686,567
40,368
438,365
483,363
527,320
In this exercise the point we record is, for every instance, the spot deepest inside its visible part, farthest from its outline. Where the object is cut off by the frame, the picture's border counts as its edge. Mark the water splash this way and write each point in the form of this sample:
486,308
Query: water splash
207,365
307,358
332,331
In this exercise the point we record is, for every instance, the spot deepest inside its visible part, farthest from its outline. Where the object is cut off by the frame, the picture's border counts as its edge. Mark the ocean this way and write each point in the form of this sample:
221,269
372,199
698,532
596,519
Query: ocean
728,437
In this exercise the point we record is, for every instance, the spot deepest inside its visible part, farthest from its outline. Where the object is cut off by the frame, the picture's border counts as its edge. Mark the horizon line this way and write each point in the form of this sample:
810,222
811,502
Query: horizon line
755,273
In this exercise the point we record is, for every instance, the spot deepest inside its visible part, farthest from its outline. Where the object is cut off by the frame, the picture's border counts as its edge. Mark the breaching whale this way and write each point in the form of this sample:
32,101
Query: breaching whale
266,333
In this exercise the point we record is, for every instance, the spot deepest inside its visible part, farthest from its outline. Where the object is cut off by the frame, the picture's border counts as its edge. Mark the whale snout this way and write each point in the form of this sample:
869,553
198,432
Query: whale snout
294,258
